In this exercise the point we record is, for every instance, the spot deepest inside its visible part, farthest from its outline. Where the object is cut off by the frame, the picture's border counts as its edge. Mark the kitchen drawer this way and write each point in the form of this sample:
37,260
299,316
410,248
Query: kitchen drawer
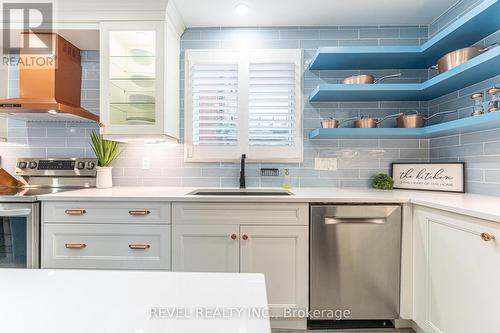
106,212
240,213
100,246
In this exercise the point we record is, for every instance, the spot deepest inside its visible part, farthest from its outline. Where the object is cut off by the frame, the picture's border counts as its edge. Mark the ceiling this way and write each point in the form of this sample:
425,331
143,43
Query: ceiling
216,13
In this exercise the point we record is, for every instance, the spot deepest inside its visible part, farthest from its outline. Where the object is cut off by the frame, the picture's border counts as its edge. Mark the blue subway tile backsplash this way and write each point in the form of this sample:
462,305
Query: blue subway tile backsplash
358,159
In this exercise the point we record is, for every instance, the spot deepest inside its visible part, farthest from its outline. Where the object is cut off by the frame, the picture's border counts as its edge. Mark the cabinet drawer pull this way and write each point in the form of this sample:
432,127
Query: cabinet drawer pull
139,246
75,211
244,237
75,246
487,237
139,212
234,236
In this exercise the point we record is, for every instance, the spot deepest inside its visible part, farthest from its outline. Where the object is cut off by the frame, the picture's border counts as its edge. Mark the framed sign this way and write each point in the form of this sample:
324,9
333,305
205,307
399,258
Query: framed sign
444,177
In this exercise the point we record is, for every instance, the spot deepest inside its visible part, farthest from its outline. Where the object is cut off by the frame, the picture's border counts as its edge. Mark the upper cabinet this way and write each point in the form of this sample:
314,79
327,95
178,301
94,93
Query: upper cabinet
139,80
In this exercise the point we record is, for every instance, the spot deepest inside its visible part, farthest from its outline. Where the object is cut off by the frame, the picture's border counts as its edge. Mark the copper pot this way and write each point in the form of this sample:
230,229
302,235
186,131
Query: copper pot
366,79
416,120
333,123
458,57
373,122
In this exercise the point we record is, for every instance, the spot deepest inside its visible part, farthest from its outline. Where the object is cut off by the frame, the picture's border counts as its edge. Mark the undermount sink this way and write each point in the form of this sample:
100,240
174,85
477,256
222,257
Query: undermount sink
240,192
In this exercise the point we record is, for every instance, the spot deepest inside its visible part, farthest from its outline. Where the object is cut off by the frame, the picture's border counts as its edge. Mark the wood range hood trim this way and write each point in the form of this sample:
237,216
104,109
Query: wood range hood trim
52,90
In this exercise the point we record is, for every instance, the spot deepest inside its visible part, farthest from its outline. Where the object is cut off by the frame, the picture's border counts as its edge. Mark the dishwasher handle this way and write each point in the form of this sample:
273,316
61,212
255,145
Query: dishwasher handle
343,220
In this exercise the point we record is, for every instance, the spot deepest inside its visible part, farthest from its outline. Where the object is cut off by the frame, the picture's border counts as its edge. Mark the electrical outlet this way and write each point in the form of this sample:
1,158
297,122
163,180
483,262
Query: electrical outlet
325,164
145,163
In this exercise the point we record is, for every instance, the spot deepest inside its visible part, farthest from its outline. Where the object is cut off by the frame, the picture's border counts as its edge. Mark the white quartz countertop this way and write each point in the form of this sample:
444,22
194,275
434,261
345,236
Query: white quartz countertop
480,206
82,301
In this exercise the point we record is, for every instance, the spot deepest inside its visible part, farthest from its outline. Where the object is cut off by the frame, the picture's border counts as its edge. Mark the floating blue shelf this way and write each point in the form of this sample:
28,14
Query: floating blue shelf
478,23
482,67
465,125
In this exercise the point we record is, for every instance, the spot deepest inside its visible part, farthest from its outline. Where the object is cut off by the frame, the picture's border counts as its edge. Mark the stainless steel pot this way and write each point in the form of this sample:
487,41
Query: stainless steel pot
366,79
458,57
333,123
372,122
416,120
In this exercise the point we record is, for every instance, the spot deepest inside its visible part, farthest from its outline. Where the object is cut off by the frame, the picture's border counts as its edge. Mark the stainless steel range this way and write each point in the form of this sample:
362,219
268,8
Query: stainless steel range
20,210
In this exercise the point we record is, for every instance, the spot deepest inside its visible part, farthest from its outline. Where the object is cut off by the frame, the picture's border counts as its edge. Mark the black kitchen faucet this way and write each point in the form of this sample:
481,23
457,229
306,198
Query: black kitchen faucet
242,171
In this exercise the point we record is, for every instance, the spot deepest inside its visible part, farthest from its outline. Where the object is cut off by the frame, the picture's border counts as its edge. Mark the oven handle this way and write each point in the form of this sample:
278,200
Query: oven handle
15,212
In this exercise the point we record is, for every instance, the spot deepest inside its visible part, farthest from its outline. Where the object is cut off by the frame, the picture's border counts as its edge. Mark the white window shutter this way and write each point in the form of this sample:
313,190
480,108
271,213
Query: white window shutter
212,119
243,102
271,104
274,106
214,98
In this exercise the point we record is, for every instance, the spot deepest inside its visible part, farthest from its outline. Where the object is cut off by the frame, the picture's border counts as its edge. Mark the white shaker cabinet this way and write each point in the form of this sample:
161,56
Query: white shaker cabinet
456,273
106,235
263,238
205,248
281,254
139,97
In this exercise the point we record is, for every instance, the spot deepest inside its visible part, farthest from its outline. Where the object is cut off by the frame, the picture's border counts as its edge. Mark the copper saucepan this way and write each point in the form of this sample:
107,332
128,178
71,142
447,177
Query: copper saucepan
416,120
458,57
366,79
333,123
368,122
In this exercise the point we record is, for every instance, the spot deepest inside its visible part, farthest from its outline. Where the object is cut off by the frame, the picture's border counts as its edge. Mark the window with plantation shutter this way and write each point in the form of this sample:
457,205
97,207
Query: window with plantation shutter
215,104
243,102
271,104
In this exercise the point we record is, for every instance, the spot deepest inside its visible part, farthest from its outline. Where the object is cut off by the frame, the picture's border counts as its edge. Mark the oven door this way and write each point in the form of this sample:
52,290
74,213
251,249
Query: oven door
19,235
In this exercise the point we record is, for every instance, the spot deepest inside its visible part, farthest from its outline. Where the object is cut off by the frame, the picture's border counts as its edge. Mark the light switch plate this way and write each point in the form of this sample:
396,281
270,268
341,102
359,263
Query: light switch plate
325,164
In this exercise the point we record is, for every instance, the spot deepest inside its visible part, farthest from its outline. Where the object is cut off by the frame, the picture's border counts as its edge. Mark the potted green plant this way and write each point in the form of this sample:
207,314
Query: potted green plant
383,182
106,152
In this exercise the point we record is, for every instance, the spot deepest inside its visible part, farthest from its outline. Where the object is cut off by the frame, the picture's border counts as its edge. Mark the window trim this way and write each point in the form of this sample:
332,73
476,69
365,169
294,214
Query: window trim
221,153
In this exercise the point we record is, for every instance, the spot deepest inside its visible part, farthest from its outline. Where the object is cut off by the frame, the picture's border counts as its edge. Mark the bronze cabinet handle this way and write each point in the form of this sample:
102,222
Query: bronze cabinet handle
75,246
139,212
234,236
75,211
139,246
244,237
487,237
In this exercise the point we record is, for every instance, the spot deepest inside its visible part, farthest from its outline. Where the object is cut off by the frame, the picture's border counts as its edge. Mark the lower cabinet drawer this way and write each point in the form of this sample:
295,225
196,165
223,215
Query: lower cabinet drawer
106,246
76,212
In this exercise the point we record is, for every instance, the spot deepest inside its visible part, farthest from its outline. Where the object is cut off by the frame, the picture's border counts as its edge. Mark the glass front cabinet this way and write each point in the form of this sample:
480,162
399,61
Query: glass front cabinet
139,80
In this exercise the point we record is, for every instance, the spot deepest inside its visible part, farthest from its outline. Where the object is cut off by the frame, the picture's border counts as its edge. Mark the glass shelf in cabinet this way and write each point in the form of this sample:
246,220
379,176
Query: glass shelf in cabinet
132,85
134,114
134,108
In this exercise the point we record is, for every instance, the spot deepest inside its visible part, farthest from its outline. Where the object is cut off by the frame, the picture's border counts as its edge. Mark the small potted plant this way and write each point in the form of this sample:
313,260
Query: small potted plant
383,182
106,152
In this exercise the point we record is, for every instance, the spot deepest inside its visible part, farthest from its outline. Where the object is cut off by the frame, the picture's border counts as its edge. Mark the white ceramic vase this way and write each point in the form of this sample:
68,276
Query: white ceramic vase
104,177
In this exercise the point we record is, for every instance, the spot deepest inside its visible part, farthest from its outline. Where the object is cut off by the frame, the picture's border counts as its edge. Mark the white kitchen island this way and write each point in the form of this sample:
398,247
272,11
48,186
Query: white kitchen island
77,301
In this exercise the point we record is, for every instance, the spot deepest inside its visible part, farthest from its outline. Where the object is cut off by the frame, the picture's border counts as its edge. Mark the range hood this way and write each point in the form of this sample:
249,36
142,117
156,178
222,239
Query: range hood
49,84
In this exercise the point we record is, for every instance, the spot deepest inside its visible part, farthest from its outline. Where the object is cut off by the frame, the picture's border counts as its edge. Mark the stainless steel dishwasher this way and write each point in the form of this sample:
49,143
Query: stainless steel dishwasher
355,261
